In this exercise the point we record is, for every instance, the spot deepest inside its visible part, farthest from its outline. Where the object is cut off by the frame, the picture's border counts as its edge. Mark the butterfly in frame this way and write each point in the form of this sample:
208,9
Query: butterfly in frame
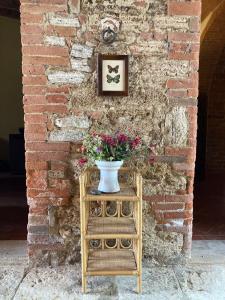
115,69
115,79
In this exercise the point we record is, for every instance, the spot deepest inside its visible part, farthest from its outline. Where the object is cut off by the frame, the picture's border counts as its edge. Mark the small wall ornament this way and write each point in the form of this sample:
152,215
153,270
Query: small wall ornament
108,35
112,75
110,27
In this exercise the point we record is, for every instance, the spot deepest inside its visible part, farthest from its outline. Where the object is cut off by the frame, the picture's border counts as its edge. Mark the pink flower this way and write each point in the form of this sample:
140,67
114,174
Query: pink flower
82,161
122,138
135,142
109,140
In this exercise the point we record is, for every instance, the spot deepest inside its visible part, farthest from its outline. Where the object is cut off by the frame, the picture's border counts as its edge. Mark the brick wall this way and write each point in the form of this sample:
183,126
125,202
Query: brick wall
60,41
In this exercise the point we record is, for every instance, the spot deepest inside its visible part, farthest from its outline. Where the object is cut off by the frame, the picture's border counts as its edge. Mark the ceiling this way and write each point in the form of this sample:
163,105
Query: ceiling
10,8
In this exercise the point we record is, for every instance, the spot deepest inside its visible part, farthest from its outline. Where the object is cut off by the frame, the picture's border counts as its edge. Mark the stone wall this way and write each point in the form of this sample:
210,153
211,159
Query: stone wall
61,40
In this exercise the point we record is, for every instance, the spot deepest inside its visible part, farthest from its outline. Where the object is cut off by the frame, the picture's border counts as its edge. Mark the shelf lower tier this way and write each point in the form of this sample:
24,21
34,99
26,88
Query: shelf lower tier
111,262
111,227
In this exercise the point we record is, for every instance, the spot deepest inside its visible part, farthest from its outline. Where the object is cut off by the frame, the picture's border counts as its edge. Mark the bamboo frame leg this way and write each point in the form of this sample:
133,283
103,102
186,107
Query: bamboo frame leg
84,284
139,284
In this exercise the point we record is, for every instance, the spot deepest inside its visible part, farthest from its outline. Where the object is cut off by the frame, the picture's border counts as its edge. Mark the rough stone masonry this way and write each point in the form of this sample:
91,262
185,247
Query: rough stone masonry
60,43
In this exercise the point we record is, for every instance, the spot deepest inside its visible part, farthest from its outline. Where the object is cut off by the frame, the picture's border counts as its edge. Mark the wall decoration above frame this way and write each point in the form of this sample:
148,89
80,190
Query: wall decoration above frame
112,75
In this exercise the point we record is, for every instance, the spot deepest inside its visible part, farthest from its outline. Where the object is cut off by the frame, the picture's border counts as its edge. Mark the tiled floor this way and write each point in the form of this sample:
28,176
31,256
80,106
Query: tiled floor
209,209
13,207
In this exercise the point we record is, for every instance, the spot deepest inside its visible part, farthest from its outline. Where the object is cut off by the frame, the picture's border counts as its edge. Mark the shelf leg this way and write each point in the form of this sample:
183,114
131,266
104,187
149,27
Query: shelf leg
139,284
84,284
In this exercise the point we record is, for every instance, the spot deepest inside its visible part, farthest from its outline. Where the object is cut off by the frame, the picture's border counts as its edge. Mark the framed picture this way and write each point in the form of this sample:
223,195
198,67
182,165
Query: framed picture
112,75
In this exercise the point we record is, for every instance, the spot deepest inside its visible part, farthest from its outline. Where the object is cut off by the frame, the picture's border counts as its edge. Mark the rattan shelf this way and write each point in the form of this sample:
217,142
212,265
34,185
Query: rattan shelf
111,227
108,227
111,262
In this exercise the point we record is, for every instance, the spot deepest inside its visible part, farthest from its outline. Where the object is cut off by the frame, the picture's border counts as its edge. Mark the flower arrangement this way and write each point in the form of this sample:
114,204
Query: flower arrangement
109,147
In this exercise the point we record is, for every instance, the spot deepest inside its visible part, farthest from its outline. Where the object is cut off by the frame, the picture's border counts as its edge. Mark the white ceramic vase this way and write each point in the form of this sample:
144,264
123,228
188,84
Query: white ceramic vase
108,176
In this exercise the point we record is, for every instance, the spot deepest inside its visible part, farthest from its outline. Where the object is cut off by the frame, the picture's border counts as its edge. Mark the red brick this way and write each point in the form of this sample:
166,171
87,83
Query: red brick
35,118
34,80
50,108
34,90
51,192
174,228
193,93
58,89
183,56
45,202
54,2
47,155
33,70
46,60
31,39
40,99
31,29
37,9
183,166
184,47
168,206
37,179
177,8
34,136
57,99
181,83
58,166
37,165
155,198
178,215
31,18
179,198
45,50
182,93
183,36
188,205
61,31
187,152
178,151
38,210
49,146
38,128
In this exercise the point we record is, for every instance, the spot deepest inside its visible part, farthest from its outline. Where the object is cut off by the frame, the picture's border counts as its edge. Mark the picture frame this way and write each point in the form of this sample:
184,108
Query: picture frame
112,75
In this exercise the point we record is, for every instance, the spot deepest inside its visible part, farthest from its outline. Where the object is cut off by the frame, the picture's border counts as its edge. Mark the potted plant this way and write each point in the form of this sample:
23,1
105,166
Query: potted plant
108,152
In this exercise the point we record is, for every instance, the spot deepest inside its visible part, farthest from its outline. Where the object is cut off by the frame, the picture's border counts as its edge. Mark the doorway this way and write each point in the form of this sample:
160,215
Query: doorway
209,192
13,204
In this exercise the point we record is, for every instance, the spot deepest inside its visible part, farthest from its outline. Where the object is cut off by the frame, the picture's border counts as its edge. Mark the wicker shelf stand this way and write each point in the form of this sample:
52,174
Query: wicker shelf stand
111,227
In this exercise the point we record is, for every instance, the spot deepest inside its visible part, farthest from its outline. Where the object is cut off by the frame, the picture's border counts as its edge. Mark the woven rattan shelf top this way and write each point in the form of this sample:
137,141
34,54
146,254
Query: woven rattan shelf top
111,227
126,193
110,261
